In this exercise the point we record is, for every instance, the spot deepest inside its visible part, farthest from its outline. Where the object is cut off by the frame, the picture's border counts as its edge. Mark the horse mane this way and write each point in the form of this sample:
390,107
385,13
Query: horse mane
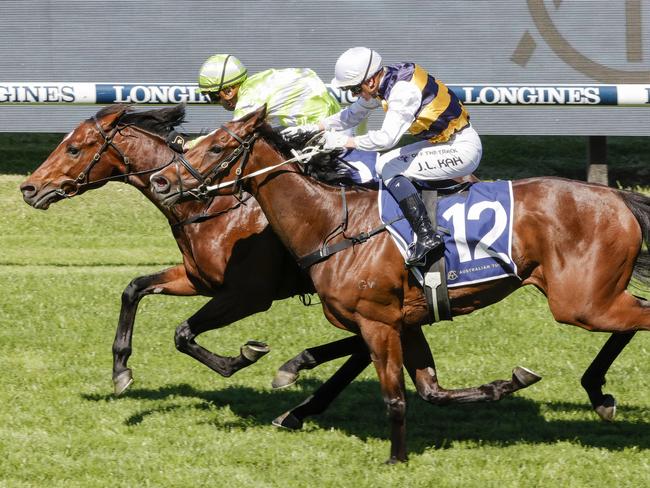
111,109
273,137
159,121
326,167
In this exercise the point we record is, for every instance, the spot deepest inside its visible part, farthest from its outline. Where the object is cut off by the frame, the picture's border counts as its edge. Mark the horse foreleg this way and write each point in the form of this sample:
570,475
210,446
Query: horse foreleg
288,373
171,281
220,311
383,341
420,365
318,402
594,377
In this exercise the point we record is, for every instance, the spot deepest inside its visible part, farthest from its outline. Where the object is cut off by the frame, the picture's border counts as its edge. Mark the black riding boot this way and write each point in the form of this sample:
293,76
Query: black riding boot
427,238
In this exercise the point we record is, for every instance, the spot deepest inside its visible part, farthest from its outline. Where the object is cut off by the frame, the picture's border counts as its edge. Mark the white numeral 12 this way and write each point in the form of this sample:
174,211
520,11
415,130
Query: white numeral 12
456,213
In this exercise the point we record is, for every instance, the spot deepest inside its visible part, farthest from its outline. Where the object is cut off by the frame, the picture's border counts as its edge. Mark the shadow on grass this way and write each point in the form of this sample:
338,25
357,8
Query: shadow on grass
360,412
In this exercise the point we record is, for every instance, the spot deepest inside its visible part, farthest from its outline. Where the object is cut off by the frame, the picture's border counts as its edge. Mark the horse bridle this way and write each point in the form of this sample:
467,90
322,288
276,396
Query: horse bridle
83,178
241,153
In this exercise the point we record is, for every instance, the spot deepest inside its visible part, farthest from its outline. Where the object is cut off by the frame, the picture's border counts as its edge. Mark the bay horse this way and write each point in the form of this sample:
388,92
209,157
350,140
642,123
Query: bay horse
219,254
229,252
563,231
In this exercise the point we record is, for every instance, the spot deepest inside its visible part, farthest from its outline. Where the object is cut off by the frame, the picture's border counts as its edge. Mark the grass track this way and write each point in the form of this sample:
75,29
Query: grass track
61,276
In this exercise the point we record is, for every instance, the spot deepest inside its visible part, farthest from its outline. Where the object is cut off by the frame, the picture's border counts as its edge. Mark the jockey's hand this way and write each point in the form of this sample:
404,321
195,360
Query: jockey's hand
331,140
299,131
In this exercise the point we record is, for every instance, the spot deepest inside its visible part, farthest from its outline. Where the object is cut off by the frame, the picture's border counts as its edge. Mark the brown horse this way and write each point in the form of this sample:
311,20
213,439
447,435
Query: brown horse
563,231
223,242
229,252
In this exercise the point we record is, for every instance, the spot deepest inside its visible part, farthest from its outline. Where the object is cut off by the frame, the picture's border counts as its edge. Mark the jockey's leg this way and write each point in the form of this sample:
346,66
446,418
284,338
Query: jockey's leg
409,200
424,161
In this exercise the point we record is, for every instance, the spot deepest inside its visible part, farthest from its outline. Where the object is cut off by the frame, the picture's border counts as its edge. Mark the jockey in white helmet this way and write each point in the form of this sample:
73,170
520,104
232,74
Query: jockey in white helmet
415,102
293,96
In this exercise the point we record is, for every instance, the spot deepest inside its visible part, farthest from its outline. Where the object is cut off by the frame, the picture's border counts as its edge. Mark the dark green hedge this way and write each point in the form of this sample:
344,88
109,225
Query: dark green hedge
505,157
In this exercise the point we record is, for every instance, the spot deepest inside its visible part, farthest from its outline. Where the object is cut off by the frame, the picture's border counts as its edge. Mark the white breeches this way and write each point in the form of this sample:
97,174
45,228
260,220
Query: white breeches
460,156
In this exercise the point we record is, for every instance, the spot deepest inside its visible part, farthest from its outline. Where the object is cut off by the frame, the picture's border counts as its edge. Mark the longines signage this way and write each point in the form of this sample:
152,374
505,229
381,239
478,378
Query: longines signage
155,93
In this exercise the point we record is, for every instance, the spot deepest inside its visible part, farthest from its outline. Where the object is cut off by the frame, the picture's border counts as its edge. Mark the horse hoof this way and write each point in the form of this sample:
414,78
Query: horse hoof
284,379
394,460
288,421
524,376
607,411
254,350
122,381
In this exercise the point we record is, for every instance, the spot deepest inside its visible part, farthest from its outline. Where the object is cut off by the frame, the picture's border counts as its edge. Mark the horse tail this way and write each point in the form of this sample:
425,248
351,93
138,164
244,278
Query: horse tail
639,205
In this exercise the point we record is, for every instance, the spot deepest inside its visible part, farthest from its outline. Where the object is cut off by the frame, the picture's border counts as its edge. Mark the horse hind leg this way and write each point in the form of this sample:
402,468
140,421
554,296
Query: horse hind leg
320,400
288,373
421,367
593,378
219,312
623,314
602,304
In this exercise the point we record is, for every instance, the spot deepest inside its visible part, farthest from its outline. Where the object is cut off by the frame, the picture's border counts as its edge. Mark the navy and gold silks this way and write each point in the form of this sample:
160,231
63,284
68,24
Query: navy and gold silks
441,113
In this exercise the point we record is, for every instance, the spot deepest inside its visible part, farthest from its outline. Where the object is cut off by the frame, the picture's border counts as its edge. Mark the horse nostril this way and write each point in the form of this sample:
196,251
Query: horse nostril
160,184
28,190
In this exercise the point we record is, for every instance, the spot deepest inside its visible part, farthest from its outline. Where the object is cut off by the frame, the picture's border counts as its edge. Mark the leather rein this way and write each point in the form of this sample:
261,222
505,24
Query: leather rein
241,153
83,179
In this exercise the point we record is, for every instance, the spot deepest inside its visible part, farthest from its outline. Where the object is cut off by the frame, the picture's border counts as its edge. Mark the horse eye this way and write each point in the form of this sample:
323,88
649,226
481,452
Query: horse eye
216,149
73,150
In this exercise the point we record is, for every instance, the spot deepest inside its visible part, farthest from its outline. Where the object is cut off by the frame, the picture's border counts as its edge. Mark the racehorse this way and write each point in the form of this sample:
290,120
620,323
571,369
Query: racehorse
229,252
219,254
563,231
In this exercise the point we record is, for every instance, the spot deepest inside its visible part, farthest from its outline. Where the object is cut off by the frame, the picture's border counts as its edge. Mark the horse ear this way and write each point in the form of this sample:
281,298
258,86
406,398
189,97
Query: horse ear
114,117
178,113
255,119
262,114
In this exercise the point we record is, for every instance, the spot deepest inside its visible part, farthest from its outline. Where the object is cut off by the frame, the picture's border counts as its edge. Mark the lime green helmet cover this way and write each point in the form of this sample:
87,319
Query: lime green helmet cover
221,71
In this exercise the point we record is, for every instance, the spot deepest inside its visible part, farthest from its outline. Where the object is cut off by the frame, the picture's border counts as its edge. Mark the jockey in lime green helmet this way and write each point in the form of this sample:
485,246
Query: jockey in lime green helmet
293,96
220,77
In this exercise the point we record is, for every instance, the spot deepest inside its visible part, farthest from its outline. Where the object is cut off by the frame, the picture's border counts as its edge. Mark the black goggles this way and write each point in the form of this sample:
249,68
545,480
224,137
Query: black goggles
213,96
354,90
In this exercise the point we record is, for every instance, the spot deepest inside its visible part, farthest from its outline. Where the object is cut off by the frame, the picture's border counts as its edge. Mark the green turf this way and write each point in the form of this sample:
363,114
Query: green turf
113,225
62,272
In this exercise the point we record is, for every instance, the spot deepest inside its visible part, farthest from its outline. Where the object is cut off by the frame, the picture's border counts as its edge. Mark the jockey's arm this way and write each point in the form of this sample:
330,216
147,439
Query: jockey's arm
350,116
403,104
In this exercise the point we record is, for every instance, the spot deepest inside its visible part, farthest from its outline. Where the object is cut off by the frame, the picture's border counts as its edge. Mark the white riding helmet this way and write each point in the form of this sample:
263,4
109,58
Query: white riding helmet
221,71
355,66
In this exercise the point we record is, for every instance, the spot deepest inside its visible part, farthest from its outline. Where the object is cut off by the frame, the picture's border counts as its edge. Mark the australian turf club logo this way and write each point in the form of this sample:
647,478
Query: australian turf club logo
624,28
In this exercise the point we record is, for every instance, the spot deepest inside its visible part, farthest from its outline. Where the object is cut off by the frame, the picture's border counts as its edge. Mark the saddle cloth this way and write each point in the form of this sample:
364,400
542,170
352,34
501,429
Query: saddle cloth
478,247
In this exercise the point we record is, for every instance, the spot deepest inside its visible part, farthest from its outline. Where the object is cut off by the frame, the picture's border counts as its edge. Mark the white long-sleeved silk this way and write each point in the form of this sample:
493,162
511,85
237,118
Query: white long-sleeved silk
403,103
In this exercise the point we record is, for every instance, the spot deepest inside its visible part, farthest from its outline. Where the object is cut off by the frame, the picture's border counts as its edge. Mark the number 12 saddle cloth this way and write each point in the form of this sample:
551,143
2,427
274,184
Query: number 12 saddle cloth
479,222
